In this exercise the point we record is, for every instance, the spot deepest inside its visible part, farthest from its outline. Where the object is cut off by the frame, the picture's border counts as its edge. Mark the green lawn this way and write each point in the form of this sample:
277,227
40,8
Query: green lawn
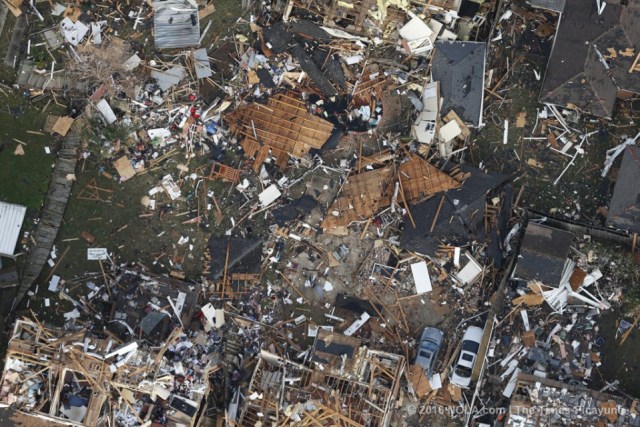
23,179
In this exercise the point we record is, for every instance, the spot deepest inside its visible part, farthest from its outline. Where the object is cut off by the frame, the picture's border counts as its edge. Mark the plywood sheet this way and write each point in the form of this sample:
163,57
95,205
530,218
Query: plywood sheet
124,168
419,381
62,125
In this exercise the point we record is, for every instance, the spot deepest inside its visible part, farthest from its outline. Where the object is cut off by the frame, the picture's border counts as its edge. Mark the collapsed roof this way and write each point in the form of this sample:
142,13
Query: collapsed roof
236,254
366,193
302,40
283,128
543,254
460,216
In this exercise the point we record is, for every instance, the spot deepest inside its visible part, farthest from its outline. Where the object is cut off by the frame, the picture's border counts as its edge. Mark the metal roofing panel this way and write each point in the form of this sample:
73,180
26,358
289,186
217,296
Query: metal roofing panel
11,218
202,66
176,24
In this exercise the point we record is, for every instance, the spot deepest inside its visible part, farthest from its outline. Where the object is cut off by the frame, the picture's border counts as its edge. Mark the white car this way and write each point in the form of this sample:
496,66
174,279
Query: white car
461,373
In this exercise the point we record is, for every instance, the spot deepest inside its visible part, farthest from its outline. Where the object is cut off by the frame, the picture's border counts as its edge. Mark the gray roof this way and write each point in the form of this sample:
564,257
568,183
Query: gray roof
589,63
459,67
624,209
543,254
176,24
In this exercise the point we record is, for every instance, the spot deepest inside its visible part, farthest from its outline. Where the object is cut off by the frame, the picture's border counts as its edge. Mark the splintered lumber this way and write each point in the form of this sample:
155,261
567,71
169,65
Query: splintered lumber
57,264
404,201
92,191
628,332
419,381
224,172
106,279
530,300
226,266
435,217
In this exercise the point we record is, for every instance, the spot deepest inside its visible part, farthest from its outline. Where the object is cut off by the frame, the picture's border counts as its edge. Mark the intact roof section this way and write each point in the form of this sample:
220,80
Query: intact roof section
624,209
459,67
574,72
543,254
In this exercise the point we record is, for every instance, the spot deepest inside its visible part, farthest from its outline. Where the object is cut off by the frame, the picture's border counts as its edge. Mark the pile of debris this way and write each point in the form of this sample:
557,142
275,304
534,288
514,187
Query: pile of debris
325,153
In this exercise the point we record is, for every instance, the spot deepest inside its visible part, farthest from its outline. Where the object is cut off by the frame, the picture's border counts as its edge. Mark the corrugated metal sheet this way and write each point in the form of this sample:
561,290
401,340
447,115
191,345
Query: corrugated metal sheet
11,218
202,66
169,78
176,24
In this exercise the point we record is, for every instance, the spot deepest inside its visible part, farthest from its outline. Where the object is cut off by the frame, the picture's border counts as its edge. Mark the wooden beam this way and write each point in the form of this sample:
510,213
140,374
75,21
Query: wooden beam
338,414
104,276
404,200
435,218
56,264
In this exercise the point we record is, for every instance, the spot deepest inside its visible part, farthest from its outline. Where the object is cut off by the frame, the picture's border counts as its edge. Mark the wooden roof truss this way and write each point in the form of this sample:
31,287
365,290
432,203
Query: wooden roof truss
364,194
282,128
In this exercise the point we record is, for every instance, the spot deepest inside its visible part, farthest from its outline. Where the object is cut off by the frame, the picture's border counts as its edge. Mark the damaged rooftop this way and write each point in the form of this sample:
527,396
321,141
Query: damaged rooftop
366,213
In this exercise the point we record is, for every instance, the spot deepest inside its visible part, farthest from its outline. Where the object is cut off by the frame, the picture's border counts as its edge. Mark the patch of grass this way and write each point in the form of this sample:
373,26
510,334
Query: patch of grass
25,178
223,20
117,224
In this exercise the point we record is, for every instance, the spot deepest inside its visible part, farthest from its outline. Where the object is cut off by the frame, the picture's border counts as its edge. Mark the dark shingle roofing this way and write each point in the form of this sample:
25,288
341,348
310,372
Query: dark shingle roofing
459,67
591,57
624,209
543,254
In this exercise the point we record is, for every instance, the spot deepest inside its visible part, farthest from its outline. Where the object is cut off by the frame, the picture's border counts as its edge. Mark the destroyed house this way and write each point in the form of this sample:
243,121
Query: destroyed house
281,129
624,209
595,57
477,211
77,378
543,254
344,384
176,24
63,81
539,401
137,312
366,193
234,255
459,67
366,17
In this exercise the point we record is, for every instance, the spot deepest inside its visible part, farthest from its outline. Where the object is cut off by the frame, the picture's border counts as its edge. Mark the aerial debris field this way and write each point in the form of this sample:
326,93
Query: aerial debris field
339,212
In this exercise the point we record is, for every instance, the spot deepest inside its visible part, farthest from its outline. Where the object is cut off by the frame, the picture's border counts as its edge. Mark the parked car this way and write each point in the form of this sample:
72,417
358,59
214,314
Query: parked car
430,342
461,373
